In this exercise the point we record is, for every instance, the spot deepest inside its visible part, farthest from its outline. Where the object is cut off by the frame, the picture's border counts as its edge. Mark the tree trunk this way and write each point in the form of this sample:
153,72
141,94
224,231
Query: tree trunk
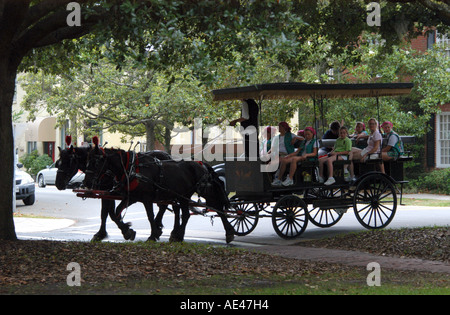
150,133
167,137
7,87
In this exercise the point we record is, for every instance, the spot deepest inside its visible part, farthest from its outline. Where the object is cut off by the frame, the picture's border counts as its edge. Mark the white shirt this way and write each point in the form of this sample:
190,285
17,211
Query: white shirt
245,114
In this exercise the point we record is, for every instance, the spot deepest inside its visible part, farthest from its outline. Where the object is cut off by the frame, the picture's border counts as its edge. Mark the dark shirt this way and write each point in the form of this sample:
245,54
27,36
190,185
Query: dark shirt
329,135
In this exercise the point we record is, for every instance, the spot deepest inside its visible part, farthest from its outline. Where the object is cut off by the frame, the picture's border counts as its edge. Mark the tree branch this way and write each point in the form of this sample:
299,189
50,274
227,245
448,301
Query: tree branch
441,9
42,9
12,13
53,28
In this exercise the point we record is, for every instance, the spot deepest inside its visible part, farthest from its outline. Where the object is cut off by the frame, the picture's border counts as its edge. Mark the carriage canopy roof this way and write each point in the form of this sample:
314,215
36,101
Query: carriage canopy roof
298,90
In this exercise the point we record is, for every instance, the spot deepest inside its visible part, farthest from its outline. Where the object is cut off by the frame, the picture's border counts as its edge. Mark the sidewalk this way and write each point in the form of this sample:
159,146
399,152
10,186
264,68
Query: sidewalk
427,196
354,258
30,225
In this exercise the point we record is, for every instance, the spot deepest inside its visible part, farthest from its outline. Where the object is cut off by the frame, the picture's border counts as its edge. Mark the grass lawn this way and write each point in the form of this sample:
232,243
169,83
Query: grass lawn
425,202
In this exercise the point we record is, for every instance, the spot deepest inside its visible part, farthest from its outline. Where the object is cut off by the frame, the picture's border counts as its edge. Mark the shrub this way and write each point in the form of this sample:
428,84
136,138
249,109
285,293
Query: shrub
40,163
437,181
27,159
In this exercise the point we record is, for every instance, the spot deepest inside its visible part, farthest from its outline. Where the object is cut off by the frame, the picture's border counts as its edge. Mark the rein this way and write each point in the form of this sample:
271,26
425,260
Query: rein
131,176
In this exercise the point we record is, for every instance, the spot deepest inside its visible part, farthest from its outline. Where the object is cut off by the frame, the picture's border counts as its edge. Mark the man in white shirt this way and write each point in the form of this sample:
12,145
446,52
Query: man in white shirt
249,121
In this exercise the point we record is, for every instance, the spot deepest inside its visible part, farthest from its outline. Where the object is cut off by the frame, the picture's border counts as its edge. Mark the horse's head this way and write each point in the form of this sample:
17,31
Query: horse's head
102,166
95,166
70,160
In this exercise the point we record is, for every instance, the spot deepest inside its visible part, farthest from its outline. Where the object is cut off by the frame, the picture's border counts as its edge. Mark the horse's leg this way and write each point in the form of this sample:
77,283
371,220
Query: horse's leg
107,207
127,232
176,223
154,236
158,219
229,230
185,214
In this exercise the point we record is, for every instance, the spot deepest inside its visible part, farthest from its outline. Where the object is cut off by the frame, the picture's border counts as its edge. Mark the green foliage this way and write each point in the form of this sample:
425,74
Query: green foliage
369,63
28,159
34,163
160,53
40,163
437,181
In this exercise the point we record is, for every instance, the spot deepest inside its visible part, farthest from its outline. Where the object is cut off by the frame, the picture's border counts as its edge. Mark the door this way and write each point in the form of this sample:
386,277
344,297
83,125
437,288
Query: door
49,149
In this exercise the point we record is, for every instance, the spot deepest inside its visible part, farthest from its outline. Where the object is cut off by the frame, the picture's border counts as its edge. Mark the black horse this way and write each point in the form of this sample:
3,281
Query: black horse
72,159
147,178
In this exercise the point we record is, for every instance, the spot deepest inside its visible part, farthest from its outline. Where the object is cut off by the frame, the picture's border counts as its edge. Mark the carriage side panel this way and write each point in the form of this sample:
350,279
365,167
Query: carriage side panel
246,176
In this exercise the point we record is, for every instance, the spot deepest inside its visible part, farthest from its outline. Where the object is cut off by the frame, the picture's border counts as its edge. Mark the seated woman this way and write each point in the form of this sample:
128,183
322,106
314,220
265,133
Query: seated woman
342,149
308,151
360,135
285,144
394,147
373,144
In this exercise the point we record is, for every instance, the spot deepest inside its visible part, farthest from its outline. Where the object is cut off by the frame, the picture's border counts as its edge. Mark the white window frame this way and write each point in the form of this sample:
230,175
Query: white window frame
439,139
443,40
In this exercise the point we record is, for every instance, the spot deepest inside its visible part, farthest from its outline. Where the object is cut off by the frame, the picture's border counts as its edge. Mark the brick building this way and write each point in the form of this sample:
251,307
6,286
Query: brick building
437,145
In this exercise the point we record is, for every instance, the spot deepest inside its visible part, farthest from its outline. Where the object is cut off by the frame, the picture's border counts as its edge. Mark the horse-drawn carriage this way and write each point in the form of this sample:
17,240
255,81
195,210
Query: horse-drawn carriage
373,196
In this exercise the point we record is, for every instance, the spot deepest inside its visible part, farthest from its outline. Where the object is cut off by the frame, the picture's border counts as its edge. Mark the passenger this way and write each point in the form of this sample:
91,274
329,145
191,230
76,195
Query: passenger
332,133
373,144
342,150
285,143
266,143
300,138
360,135
308,151
394,147
285,140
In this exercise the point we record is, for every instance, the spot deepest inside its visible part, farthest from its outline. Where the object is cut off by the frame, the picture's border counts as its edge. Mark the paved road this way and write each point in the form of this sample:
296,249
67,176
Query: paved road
75,219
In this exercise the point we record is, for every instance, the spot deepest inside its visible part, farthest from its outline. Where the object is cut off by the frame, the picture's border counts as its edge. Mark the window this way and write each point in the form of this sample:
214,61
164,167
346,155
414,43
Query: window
31,146
443,140
443,40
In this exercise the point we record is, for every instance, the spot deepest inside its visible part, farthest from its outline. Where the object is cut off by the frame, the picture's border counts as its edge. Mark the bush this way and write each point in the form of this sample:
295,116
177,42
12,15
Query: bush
437,181
28,159
40,163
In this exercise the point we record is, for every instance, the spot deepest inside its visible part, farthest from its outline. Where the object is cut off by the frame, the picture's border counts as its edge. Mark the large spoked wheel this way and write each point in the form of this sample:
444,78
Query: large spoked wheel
375,202
245,219
323,217
290,217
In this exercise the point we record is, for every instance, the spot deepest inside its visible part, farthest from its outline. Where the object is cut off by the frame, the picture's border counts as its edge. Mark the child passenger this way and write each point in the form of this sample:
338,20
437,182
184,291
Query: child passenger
342,148
394,147
360,135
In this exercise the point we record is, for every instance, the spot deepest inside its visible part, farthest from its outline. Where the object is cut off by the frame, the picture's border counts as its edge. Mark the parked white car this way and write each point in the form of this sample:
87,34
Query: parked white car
47,176
24,186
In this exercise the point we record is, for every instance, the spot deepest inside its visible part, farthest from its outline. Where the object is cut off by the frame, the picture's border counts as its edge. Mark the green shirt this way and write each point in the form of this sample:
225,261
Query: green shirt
343,145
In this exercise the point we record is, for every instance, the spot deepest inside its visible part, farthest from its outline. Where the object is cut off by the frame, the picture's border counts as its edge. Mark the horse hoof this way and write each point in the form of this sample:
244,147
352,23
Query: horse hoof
230,238
130,235
98,237
158,233
175,239
152,239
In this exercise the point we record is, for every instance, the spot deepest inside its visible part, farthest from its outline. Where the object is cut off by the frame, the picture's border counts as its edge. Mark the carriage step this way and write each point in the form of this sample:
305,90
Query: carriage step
332,203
